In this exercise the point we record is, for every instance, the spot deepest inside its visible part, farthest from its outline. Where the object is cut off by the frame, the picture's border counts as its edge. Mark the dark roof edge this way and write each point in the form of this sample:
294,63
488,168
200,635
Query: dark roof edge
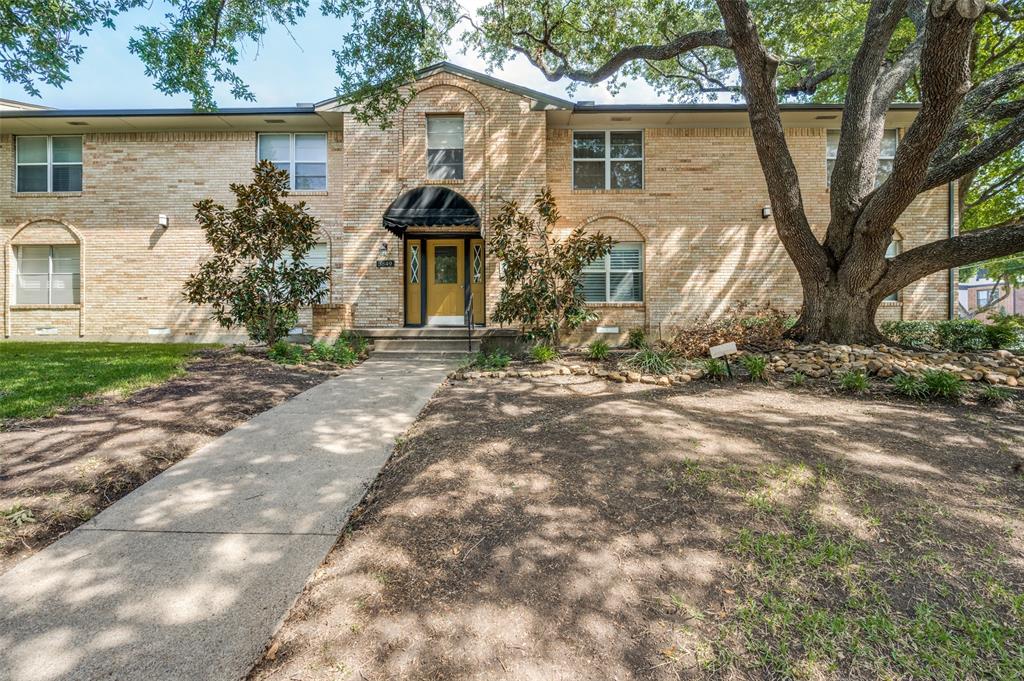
639,108
123,113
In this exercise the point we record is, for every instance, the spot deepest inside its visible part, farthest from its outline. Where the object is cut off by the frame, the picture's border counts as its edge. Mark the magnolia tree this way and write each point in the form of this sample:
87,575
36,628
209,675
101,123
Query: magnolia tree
256,277
540,288
962,59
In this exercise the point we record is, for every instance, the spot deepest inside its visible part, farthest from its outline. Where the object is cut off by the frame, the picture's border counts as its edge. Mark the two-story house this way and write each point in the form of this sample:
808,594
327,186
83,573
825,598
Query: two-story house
98,231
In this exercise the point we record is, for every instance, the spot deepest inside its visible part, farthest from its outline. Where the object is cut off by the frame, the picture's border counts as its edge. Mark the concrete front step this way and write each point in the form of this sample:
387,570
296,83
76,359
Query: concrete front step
434,332
426,344
421,354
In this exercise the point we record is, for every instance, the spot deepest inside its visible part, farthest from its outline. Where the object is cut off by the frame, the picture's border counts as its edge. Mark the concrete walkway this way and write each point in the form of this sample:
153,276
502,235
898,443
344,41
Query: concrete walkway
190,575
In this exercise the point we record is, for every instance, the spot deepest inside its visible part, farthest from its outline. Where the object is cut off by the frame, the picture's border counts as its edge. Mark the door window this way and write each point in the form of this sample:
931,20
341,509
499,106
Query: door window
446,265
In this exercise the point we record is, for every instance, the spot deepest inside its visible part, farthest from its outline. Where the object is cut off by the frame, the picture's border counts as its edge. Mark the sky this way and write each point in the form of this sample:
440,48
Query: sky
282,71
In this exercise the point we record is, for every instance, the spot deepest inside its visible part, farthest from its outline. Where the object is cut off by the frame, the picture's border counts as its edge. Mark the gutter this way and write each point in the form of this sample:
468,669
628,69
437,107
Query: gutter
951,224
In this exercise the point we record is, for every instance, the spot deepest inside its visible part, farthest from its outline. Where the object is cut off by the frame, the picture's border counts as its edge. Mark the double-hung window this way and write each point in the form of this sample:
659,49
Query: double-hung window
302,154
890,140
891,252
445,147
49,164
617,277
984,297
46,275
608,159
317,256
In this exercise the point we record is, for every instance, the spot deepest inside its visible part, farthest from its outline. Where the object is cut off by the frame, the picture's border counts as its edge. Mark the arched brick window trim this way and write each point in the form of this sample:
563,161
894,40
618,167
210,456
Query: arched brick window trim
24,228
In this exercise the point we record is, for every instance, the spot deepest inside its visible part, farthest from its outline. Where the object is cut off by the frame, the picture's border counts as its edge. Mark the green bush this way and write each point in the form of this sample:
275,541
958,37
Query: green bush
797,379
1005,331
343,353
961,335
637,339
942,384
714,368
597,349
908,386
652,361
756,366
284,352
910,334
853,381
492,361
359,344
995,394
321,352
543,353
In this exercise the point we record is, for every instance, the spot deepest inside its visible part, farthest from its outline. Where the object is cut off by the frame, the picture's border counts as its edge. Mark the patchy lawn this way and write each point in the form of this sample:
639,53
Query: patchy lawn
57,473
568,528
38,378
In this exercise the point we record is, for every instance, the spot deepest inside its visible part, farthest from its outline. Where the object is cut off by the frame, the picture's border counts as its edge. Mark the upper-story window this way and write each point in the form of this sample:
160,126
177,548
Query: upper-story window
608,159
890,140
49,164
302,154
445,145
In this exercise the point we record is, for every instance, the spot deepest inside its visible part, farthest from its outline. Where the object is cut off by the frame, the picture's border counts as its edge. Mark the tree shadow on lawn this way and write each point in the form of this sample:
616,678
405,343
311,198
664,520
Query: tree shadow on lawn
572,529
67,468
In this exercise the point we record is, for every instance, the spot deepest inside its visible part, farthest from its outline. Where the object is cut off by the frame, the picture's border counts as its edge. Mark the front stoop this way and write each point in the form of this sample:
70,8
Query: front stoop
432,342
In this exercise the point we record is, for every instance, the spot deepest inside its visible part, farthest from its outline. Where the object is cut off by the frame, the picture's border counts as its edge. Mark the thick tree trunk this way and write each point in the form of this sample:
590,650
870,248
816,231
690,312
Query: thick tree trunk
832,314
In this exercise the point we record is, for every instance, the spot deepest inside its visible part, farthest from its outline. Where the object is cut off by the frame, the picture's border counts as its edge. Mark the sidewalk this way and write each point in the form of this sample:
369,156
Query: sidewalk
190,575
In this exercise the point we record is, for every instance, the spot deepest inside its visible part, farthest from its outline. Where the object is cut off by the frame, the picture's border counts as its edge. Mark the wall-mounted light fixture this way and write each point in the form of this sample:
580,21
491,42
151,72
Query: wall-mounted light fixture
382,250
766,212
163,221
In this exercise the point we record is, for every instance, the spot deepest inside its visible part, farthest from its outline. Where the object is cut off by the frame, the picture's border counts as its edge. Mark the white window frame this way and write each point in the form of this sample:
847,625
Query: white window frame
608,270
426,124
49,164
15,273
607,161
895,247
291,158
828,157
977,297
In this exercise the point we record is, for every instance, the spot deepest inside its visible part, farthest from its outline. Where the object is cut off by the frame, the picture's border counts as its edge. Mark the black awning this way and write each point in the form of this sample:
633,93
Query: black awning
430,206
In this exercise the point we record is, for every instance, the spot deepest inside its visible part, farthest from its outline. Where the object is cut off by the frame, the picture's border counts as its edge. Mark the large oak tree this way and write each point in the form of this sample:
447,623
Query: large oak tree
960,58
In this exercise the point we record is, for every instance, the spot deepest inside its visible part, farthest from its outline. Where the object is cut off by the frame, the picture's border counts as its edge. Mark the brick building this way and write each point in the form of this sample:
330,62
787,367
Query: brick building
98,231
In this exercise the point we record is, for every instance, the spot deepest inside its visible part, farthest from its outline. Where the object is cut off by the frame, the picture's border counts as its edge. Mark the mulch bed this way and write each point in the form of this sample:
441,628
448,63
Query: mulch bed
572,528
65,469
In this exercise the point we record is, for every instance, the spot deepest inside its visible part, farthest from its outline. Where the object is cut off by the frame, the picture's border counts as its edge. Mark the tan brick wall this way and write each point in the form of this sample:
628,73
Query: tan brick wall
699,216
706,244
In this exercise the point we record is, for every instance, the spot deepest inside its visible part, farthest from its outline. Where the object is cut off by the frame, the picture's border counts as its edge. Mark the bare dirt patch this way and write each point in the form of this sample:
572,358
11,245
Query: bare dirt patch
63,470
569,528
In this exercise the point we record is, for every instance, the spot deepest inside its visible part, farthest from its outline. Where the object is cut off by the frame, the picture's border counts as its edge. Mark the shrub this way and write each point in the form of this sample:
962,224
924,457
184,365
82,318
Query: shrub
910,334
942,384
637,339
343,353
543,353
995,393
797,379
540,286
961,335
284,352
492,361
1005,331
752,328
756,366
597,349
652,361
359,344
714,368
909,386
854,381
321,352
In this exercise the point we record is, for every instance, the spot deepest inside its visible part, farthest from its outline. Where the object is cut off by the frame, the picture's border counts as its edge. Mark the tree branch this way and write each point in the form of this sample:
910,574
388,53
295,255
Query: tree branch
981,244
1008,137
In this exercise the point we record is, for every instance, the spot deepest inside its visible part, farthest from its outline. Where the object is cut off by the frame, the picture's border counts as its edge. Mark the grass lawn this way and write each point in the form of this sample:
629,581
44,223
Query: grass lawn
572,529
38,378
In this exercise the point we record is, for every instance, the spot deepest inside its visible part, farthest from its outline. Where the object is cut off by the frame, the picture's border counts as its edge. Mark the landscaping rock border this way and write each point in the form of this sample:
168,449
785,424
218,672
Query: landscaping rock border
559,369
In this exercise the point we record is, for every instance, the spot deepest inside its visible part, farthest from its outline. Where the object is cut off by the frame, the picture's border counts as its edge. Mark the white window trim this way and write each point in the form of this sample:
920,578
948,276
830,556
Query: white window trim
607,160
49,164
49,275
292,161
608,279
426,143
828,174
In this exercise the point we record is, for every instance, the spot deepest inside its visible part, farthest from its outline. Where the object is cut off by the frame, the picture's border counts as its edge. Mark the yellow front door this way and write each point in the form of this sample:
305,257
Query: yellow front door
446,282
